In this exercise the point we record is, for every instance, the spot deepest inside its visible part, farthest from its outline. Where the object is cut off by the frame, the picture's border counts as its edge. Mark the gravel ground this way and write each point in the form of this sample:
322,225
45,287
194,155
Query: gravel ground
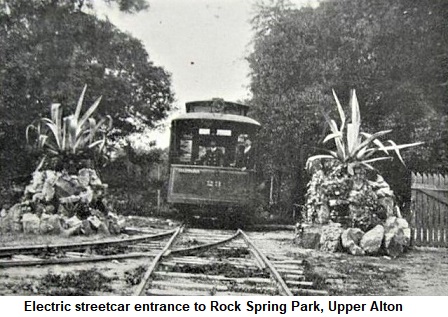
421,271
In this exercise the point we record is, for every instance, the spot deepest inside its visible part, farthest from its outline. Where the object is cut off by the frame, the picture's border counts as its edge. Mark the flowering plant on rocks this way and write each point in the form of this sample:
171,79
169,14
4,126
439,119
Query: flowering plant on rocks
344,186
66,195
346,191
328,188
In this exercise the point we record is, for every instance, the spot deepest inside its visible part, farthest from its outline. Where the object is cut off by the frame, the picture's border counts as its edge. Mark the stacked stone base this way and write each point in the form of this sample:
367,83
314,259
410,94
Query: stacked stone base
61,203
18,220
391,238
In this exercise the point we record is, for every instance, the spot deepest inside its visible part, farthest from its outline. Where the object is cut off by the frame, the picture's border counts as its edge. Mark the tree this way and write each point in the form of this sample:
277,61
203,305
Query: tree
130,6
281,99
393,54
52,48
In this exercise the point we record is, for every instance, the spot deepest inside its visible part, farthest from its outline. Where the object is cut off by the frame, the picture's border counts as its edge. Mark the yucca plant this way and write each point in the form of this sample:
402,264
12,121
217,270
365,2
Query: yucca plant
354,147
74,137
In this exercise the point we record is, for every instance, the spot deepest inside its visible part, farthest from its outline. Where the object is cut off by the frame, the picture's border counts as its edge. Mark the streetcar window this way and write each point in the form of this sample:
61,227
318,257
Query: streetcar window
186,147
224,132
201,108
203,150
204,131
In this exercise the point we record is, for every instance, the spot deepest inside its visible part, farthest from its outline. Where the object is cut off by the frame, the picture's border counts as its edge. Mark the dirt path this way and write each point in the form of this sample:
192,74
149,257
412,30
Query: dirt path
426,272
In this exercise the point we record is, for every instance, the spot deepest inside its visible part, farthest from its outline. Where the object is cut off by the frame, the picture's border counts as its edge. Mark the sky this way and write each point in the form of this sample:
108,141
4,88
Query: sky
201,43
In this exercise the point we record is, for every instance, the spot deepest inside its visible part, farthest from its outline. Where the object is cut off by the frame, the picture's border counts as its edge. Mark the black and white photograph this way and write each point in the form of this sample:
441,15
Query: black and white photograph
224,148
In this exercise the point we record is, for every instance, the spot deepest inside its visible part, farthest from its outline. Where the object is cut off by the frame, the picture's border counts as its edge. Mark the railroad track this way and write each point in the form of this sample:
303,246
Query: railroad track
146,244
183,262
195,263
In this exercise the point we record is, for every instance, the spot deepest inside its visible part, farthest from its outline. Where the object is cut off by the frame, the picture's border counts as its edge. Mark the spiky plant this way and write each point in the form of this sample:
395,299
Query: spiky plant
73,137
339,187
354,147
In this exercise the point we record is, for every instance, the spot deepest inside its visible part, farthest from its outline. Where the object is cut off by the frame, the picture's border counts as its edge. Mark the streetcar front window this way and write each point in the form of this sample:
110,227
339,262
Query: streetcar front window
195,143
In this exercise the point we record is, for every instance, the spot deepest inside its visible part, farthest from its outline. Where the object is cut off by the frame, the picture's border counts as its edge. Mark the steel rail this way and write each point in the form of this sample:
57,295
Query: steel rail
275,274
201,247
36,249
155,262
39,262
156,256
260,258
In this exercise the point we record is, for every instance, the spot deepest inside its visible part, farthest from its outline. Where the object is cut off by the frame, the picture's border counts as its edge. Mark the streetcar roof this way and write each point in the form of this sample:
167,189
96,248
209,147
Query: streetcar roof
217,117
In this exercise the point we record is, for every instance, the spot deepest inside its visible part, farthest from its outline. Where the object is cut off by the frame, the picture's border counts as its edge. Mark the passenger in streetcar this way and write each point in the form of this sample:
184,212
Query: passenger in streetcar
245,158
213,156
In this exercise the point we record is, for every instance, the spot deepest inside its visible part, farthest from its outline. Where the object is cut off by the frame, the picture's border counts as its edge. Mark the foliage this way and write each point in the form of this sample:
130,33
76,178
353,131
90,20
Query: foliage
394,54
134,276
50,49
364,210
130,6
328,182
354,147
73,137
134,179
50,60
342,184
81,283
353,200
